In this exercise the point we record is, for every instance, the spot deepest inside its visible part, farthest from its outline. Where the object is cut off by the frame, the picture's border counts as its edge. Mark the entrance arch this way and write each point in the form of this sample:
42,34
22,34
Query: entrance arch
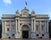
25,31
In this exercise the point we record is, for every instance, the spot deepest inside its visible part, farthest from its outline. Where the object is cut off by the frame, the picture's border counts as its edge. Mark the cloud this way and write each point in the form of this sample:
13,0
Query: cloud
7,1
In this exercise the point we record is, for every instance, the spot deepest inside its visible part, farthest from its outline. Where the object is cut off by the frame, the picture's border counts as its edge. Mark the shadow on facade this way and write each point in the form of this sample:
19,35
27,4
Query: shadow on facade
50,29
0,28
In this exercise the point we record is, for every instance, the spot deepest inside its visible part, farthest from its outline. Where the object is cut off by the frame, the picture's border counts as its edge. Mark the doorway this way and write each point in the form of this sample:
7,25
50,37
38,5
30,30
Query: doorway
25,34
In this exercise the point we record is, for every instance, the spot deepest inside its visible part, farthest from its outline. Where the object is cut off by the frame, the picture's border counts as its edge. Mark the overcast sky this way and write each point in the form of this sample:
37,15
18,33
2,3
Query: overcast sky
39,6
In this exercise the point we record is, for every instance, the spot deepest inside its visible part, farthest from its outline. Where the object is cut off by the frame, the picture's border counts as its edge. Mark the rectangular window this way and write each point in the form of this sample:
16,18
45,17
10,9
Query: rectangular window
7,29
42,34
37,34
13,34
37,27
42,27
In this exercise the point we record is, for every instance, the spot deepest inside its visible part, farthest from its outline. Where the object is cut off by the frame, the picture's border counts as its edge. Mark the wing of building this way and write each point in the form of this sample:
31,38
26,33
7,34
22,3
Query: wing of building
25,25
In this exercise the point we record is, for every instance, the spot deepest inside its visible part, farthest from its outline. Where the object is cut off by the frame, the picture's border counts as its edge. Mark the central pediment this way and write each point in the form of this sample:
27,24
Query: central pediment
25,12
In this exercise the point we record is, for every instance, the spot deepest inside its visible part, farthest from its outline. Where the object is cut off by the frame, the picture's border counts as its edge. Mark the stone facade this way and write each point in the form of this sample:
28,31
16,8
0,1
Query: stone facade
32,25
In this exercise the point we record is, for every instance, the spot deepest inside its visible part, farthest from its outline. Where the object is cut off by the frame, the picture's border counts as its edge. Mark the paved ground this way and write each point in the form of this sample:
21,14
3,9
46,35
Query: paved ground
25,39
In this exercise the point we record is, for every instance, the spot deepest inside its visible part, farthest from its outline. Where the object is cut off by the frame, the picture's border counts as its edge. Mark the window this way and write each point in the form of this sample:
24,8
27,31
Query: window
40,37
42,27
7,29
13,34
37,27
42,34
29,24
20,23
9,37
37,35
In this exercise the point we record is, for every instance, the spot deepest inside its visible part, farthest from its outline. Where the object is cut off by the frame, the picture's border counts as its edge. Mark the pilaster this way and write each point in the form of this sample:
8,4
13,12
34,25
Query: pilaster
17,28
40,28
47,26
3,29
31,25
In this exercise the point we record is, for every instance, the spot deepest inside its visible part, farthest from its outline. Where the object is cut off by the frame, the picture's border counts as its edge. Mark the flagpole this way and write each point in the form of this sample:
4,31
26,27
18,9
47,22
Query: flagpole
25,3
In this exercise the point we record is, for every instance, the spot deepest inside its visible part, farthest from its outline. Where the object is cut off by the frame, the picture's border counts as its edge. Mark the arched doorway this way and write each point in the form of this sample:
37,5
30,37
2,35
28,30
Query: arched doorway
25,32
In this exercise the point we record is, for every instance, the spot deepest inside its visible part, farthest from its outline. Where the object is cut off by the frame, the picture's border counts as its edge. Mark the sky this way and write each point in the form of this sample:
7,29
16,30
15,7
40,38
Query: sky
39,6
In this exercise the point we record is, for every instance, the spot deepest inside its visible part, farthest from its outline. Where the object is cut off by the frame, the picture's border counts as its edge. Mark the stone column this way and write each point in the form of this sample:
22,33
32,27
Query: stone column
3,30
34,25
45,27
31,25
16,25
47,30
40,28
17,29
33,28
19,35
10,29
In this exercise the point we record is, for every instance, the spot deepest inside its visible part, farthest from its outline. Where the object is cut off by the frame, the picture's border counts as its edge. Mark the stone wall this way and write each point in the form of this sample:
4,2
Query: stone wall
25,39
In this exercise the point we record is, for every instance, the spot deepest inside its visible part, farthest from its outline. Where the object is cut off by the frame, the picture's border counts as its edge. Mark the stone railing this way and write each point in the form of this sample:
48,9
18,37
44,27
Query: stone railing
25,39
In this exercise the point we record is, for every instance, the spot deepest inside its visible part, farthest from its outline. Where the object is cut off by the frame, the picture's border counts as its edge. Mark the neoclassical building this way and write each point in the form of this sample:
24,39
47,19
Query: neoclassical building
25,25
